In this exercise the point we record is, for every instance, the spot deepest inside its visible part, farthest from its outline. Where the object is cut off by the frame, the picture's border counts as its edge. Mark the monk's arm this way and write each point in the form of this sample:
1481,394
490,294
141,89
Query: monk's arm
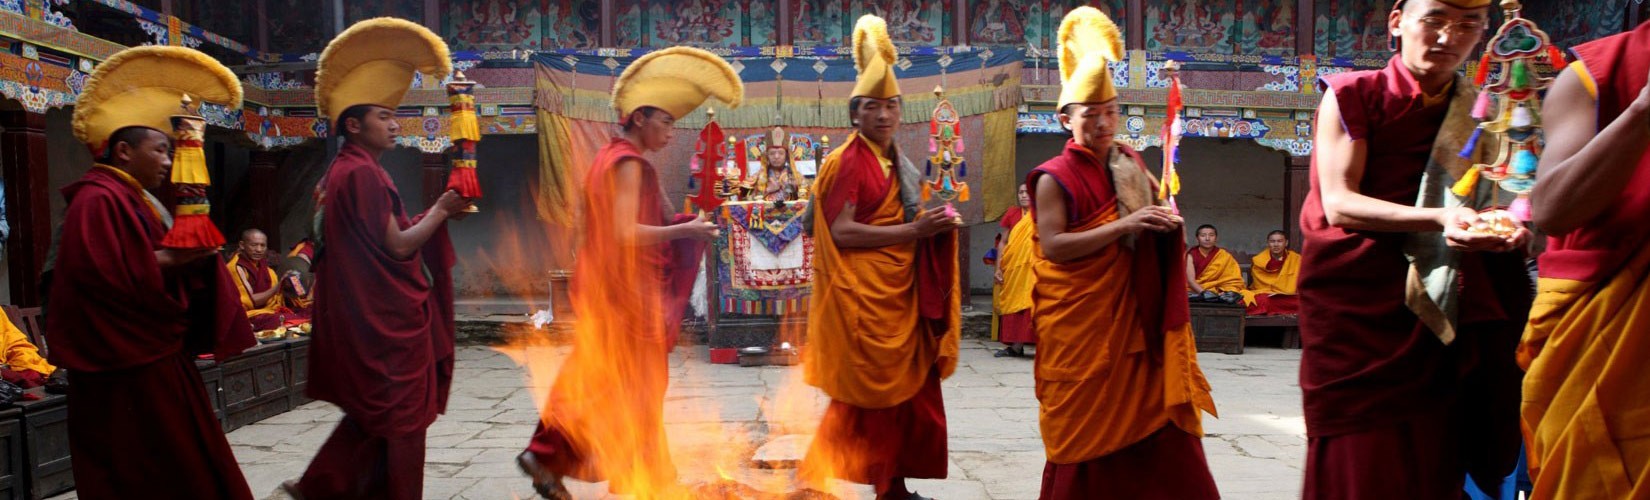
1061,246
1191,276
1584,170
401,244
848,233
261,299
627,202
1340,163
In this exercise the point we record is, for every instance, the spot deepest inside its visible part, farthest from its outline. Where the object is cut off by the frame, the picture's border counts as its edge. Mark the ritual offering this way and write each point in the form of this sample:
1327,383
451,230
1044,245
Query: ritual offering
465,132
192,226
945,145
1508,108
1496,222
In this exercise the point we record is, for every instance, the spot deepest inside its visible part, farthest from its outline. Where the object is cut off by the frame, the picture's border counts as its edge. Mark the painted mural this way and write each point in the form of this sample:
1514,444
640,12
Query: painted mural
1266,27
1042,19
1354,29
494,24
702,23
820,22
1573,23
358,10
1189,26
910,22
627,24
997,22
571,24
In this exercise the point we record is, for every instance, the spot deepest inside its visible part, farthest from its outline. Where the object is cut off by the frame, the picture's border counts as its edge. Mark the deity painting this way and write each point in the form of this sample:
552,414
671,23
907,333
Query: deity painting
627,31
574,24
1267,27
819,22
1351,29
761,21
495,24
996,22
915,22
1189,25
693,22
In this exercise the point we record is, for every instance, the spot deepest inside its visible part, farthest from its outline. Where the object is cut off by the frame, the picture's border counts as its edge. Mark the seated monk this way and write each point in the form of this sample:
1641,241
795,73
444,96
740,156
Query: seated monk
20,362
296,280
1272,279
256,282
1211,272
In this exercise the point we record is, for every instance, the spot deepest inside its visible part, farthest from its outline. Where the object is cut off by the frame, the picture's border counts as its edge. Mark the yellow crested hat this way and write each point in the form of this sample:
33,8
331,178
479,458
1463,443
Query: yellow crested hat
373,62
143,87
1460,4
874,56
676,80
777,138
1088,40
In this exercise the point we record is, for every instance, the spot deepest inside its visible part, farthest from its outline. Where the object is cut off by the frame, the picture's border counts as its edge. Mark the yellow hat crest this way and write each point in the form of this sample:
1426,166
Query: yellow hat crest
1460,4
874,57
1088,40
142,86
373,62
676,80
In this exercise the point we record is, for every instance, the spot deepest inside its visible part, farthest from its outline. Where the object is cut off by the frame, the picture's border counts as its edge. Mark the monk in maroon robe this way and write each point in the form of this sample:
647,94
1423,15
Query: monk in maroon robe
383,334
1392,411
126,319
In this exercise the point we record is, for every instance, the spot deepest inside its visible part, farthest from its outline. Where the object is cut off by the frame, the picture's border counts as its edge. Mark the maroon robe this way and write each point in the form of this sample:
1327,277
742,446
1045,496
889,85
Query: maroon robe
382,347
258,279
127,331
1368,364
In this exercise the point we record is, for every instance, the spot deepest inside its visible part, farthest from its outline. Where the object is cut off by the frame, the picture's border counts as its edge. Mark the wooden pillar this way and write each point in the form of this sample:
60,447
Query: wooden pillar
434,176
432,15
609,18
960,22
1305,34
265,178
1297,180
263,26
786,30
28,202
1136,27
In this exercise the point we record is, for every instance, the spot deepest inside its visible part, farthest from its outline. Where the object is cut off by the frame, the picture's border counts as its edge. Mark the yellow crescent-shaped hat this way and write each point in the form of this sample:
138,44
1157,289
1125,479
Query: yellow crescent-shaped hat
1460,4
144,86
1088,40
373,62
874,56
676,80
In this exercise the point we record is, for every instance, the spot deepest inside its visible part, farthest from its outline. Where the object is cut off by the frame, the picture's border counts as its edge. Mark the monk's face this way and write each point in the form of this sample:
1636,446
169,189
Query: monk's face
1207,238
1277,243
776,158
255,246
1025,199
148,158
1436,37
877,119
1092,125
653,132
376,130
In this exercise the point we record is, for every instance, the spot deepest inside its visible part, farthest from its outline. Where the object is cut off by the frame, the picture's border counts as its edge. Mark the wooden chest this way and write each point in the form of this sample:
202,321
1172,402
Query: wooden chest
255,385
297,362
45,428
1218,327
212,378
13,473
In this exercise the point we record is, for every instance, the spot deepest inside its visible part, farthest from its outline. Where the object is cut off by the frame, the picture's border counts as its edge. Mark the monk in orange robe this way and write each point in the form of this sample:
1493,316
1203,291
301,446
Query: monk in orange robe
24,364
1272,277
1118,386
1585,396
256,281
885,314
1211,271
1012,296
1401,400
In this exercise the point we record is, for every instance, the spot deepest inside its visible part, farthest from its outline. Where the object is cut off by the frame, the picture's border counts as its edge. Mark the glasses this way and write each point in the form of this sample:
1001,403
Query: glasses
1440,25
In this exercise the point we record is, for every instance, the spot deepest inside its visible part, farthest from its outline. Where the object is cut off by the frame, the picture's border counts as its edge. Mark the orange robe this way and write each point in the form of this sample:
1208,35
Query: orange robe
251,278
1216,272
1117,362
1272,284
883,328
17,351
1013,295
1586,406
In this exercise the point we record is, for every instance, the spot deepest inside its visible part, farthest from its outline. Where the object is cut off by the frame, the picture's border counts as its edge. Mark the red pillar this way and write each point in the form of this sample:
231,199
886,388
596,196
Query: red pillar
266,197
1297,180
435,176
28,202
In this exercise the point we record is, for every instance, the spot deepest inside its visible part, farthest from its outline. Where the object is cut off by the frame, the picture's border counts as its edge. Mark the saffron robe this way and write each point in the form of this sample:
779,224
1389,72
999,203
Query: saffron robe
128,331
251,277
17,351
1272,284
382,347
1117,361
1585,411
1216,271
1013,295
1367,362
605,416
883,329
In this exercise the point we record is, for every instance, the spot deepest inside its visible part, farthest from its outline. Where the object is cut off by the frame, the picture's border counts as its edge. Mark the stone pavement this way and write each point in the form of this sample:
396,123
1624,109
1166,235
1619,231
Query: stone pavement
719,414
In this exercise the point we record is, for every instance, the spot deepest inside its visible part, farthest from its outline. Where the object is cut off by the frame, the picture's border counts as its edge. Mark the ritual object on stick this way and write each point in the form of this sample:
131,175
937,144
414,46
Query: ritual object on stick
1173,127
944,144
465,131
1508,109
192,227
707,158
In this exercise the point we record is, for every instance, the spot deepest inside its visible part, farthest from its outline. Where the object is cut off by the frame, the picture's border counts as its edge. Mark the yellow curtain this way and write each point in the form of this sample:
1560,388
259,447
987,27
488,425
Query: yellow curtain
998,162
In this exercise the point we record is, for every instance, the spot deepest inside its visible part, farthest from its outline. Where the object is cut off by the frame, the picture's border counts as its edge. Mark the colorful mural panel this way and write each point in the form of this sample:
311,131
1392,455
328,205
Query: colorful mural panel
1189,26
910,22
627,25
494,24
1352,29
572,24
1574,23
1266,27
1042,18
702,23
821,22
997,22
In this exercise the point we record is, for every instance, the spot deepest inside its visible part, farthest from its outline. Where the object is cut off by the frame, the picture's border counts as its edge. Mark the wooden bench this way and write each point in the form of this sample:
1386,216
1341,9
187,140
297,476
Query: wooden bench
1289,323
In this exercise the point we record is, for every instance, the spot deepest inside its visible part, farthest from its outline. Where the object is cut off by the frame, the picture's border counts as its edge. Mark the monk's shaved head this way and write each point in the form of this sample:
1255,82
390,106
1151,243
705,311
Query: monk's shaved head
254,244
249,233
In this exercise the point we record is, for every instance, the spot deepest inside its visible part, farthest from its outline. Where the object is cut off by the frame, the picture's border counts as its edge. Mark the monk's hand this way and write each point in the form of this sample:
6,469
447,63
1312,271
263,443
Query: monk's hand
934,221
1458,233
169,257
1153,218
998,275
450,204
701,228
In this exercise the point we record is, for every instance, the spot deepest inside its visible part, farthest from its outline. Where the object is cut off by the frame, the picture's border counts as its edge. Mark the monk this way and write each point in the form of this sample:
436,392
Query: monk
1584,396
255,280
1211,271
383,336
1402,400
1119,391
297,282
1272,277
24,365
634,273
778,180
126,316
1013,278
884,317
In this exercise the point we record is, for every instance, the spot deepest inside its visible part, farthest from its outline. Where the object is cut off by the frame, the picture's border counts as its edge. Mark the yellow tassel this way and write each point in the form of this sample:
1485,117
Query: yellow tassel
962,194
189,165
1466,184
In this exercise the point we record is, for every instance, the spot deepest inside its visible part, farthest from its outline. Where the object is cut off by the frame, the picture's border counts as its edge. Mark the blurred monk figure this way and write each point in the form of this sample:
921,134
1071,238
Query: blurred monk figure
256,281
1272,276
